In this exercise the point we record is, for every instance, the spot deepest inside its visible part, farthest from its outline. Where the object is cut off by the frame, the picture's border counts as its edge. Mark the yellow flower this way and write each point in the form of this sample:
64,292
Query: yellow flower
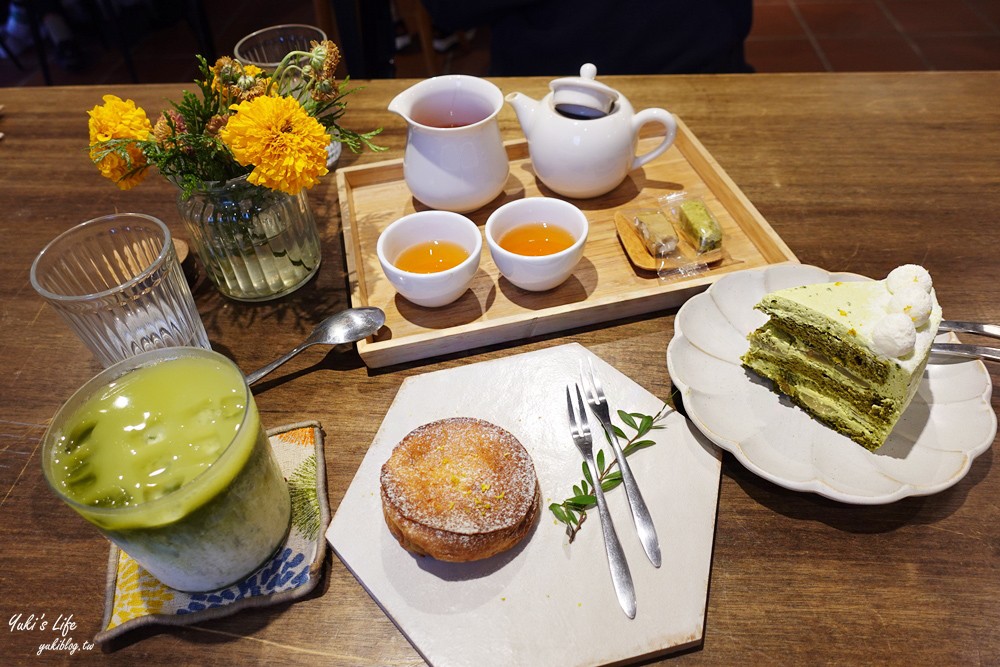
119,119
285,145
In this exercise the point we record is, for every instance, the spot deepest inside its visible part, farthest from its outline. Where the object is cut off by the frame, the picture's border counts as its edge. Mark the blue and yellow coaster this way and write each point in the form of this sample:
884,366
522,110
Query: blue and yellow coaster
135,598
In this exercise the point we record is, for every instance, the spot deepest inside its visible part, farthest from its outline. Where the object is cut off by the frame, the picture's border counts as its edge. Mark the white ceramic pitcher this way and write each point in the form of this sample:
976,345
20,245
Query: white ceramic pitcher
454,158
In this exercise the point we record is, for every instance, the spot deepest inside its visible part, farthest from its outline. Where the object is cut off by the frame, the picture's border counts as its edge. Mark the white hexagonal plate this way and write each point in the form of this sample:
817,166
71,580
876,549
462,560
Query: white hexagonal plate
545,602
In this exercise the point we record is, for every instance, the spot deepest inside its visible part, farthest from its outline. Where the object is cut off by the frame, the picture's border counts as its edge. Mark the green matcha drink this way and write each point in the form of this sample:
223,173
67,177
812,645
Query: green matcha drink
165,453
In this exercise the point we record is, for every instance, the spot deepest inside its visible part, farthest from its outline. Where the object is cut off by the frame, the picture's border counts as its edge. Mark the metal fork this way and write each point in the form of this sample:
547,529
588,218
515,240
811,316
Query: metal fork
971,351
620,575
598,402
991,330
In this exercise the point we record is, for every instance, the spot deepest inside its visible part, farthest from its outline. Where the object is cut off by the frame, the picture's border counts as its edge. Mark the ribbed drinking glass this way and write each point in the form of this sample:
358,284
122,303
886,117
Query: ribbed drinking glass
117,283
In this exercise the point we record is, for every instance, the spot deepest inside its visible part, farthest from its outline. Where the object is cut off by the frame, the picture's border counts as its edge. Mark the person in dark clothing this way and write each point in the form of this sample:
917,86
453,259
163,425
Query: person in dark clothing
556,37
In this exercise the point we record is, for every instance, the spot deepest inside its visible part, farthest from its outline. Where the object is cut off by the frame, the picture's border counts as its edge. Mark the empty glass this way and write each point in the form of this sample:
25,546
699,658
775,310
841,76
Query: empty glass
117,283
267,47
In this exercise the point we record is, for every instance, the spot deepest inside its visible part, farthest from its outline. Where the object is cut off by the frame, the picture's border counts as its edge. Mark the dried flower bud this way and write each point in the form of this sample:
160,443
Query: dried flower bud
325,90
216,123
169,125
226,71
324,58
238,82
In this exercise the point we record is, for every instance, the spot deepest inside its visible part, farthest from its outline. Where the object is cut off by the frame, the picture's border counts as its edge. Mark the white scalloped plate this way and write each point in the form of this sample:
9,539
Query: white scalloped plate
948,424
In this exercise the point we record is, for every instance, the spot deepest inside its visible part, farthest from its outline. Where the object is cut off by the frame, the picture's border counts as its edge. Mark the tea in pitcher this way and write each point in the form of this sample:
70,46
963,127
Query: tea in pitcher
447,111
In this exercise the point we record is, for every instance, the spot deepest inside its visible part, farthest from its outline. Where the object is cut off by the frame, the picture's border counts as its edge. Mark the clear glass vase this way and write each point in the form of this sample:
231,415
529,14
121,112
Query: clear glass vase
255,243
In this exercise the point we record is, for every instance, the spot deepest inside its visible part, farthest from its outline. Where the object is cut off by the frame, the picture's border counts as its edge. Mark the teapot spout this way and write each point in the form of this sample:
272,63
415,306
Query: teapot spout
525,108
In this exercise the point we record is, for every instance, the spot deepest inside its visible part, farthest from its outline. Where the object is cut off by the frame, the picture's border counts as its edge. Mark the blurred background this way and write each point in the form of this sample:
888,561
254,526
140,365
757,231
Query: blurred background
75,42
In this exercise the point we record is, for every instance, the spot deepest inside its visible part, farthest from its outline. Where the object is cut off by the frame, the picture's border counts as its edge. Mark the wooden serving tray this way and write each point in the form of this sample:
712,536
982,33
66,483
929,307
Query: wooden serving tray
605,286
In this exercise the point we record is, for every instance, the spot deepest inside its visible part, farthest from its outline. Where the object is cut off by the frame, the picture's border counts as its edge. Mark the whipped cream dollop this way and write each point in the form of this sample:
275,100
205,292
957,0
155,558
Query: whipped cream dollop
894,335
910,303
909,274
914,302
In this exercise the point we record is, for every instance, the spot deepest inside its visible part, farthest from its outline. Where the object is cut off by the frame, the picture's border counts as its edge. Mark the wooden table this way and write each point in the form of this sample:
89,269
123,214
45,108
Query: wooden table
856,172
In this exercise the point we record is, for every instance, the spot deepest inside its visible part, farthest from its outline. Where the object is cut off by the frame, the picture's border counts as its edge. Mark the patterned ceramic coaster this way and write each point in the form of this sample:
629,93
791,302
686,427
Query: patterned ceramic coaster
135,598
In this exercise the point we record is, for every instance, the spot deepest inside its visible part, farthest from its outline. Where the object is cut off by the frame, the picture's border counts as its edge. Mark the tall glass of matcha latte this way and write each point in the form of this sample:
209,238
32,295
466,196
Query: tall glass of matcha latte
164,452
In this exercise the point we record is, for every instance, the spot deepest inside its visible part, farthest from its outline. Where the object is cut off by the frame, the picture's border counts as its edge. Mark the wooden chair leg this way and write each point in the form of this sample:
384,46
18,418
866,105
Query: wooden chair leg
34,24
415,17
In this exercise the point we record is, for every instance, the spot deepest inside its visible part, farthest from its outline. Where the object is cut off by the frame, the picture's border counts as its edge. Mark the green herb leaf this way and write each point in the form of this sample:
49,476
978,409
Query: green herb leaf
627,418
638,444
645,423
609,484
573,511
582,502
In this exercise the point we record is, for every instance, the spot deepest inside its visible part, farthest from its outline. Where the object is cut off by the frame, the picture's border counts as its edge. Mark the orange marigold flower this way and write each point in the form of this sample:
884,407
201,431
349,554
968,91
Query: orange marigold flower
119,119
126,174
285,145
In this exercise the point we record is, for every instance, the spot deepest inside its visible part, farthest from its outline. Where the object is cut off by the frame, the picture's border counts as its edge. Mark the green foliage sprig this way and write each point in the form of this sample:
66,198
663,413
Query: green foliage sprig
573,511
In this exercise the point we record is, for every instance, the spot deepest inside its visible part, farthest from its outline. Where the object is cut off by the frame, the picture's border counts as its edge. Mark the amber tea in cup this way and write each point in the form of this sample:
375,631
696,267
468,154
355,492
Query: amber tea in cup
431,257
536,242
536,239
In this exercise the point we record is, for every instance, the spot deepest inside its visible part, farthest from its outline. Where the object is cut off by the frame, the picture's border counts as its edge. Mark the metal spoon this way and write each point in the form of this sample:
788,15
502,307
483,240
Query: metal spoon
347,326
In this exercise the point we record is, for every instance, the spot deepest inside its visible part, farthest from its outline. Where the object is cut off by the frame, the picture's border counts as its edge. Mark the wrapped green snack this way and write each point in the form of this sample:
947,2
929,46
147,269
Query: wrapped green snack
694,222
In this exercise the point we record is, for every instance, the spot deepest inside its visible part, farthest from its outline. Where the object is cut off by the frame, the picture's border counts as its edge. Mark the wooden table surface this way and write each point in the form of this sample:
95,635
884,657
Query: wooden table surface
856,172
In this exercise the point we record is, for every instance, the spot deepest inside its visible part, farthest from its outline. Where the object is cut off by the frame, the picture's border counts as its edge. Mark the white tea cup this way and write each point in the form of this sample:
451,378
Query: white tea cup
440,287
537,273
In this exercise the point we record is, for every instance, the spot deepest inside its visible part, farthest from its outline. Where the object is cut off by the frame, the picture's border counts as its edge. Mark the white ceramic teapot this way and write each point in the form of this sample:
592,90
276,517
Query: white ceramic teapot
582,136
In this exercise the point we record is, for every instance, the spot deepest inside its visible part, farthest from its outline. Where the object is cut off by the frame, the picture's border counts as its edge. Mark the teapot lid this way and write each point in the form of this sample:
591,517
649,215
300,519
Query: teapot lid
582,96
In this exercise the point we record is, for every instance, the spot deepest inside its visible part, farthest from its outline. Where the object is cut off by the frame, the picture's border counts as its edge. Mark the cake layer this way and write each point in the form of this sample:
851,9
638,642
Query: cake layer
797,311
824,407
772,345
842,401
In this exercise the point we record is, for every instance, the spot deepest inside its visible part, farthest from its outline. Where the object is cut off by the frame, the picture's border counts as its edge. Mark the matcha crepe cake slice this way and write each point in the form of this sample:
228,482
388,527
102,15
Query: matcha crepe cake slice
851,354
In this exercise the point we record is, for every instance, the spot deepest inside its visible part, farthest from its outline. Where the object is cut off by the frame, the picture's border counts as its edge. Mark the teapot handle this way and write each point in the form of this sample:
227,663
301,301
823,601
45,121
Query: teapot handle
664,118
